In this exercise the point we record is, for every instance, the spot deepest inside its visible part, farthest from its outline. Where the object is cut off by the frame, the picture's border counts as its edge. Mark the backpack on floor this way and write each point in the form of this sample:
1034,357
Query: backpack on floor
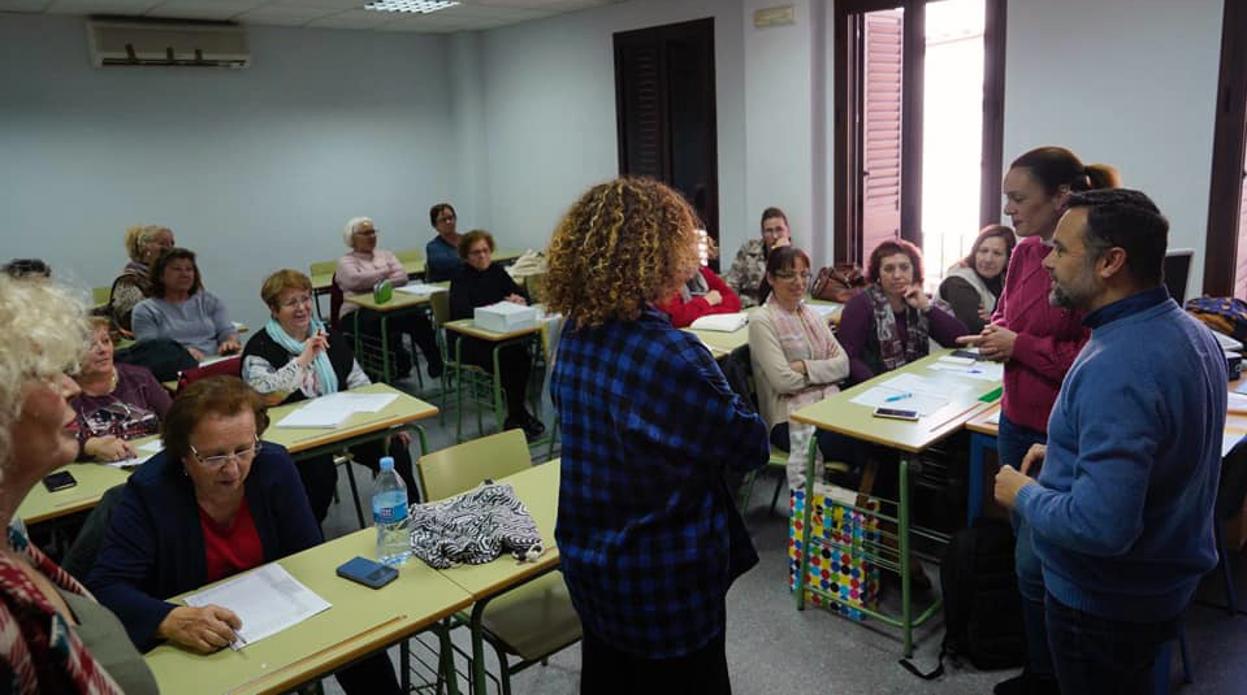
982,606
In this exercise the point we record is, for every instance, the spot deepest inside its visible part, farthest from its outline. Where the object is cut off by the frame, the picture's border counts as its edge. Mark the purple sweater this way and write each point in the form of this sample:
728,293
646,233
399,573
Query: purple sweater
134,409
857,334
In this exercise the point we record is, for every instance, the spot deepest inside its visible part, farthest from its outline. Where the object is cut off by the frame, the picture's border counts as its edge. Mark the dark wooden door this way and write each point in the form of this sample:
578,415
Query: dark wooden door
665,109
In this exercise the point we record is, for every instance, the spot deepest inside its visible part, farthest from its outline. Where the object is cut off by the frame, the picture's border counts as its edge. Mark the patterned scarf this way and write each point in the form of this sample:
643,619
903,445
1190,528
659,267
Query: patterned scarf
892,352
325,376
474,528
42,652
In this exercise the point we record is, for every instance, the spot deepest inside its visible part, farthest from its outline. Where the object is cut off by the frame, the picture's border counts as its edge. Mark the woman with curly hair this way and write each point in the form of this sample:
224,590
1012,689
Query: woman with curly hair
648,532
54,637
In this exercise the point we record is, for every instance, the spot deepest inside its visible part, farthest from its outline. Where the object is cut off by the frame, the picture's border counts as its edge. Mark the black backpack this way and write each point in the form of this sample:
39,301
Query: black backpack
982,606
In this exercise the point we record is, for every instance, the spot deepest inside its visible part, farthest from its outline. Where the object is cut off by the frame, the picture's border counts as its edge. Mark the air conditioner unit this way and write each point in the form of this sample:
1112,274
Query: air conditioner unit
167,44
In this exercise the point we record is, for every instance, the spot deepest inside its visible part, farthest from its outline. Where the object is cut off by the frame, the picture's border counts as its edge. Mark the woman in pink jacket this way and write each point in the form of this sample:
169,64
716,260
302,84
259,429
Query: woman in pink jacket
1037,342
365,266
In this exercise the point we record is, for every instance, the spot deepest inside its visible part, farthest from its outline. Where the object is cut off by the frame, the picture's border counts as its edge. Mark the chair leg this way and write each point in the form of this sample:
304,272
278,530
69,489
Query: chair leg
779,485
504,672
359,511
1227,573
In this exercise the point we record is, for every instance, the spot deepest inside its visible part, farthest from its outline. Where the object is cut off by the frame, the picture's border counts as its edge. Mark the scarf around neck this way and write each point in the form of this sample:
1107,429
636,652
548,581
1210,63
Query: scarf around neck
894,353
325,376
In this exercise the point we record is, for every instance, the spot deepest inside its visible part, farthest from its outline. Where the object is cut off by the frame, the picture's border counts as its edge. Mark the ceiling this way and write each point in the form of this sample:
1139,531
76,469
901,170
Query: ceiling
471,15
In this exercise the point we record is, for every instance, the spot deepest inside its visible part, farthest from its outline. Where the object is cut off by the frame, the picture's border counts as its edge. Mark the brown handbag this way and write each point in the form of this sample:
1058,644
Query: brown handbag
838,283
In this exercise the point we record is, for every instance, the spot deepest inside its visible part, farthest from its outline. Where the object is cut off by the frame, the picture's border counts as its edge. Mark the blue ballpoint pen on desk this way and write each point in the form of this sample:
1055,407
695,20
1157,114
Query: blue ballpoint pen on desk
898,397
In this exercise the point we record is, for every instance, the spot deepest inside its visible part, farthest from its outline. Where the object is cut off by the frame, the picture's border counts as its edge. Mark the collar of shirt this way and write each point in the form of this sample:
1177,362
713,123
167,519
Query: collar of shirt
1122,308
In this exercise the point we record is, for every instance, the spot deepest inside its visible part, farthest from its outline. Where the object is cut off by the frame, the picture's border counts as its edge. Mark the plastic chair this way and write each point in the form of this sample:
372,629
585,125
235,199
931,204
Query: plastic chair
459,377
533,620
336,298
101,295
230,366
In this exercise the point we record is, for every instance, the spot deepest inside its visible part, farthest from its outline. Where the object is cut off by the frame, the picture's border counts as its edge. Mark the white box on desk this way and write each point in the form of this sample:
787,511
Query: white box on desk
504,317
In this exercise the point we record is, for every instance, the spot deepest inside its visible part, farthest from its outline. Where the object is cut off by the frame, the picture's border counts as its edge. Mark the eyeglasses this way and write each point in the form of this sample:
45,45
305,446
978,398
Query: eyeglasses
366,232
296,302
221,459
447,218
788,276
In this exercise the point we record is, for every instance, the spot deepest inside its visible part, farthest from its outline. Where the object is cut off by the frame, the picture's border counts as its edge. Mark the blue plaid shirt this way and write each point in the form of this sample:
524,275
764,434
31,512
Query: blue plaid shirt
649,537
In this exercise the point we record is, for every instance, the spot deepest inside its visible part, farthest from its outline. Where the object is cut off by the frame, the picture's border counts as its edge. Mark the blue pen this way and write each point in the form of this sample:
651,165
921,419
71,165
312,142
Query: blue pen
898,397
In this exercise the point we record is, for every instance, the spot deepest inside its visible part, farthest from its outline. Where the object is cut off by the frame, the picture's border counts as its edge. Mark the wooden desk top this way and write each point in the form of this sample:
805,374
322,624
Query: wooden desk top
838,414
406,408
361,620
986,422
538,488
469,327
399,300
94,479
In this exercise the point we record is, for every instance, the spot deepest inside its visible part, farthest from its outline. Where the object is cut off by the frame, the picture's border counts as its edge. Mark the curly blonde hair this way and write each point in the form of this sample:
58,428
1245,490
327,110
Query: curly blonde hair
625,244
43,333
138,236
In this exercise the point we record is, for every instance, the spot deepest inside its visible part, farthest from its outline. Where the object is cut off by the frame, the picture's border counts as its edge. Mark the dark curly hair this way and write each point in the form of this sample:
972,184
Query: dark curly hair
158,270
891,247
624,244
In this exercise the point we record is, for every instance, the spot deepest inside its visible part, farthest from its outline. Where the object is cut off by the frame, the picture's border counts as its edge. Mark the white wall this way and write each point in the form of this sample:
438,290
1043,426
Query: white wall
255,169
550,113
1128,82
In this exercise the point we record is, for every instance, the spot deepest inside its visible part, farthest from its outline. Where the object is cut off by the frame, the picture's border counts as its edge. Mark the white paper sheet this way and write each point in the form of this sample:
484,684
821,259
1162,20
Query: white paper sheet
1229,439
142,452
904,392
827,311
983,371
420,289
995,417
266,600
332,410
1237,401
723,323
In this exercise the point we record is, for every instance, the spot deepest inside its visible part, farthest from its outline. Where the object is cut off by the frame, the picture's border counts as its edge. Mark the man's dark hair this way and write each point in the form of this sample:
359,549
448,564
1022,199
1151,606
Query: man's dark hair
1129,220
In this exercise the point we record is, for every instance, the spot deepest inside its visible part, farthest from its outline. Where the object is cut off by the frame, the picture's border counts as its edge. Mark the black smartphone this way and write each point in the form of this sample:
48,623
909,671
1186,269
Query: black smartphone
896,413
968,354
60,480
371,574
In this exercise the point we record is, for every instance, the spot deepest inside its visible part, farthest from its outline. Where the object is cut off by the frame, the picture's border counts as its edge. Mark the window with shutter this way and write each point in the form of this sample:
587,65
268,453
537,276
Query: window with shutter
1240,277
882,50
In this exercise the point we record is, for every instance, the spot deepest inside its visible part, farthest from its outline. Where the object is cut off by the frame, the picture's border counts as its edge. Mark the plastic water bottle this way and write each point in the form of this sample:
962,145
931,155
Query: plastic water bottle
389,513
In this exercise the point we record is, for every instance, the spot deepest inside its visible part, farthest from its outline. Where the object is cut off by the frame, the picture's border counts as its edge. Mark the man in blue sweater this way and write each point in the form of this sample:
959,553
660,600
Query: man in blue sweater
1122,510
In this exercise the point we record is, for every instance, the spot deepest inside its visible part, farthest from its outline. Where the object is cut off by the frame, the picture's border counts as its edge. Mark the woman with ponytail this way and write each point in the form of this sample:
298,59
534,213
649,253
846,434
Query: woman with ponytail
1037,342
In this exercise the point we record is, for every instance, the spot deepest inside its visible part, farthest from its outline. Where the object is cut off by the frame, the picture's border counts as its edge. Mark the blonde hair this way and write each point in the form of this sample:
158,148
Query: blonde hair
43,333
138,237
280,281
625,244
351,225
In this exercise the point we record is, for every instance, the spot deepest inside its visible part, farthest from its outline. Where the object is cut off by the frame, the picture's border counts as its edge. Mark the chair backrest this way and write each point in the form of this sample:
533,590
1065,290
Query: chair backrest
462,467
101,295
230,366
80,557
322,267
439,302
336,298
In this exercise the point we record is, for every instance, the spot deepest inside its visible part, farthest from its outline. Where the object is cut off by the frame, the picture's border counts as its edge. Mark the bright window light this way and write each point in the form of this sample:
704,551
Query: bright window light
412,6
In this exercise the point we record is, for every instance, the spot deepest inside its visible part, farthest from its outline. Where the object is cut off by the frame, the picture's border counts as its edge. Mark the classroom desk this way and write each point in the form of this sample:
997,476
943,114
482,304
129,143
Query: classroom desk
399,304
468,327
838,414
94,479
722,344
360,622
538,489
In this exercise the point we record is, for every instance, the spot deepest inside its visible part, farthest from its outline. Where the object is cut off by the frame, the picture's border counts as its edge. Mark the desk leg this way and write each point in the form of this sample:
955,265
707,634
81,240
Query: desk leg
978,449
499,414
404,664
385,348
458,387
446,659
358,341
479,683
902,530
803,566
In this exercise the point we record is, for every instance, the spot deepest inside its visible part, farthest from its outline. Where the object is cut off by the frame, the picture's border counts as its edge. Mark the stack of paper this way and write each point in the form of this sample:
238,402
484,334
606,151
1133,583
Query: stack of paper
723,323
331,411
141,454
420,289
826,311
964,366
267,601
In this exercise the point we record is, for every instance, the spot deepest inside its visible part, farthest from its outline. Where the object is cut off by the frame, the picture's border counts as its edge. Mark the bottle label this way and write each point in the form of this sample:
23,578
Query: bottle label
389,514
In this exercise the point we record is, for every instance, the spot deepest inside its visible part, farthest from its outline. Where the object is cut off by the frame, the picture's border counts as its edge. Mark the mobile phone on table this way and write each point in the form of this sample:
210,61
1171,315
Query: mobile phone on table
60,480
968,354
370,573
897,413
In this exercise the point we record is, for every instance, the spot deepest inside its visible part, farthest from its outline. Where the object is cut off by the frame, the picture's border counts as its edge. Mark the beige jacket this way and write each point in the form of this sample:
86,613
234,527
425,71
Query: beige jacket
780,388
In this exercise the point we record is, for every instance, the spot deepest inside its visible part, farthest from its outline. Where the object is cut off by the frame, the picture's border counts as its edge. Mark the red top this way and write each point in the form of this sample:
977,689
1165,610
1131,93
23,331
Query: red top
1049,338
683,313
231,549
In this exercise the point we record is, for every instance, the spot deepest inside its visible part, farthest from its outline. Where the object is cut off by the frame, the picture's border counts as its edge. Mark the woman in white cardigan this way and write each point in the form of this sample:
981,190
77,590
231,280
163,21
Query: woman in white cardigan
796,361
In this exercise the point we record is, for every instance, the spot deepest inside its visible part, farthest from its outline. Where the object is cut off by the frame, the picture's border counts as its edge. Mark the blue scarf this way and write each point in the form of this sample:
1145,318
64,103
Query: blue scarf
325,375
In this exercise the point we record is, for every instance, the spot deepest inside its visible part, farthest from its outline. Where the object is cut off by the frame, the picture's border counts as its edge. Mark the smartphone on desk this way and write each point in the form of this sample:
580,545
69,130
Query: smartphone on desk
897,414
371,574
60,480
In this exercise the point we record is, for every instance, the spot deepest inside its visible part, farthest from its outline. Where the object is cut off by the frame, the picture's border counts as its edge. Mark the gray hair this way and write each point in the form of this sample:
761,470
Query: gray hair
351,225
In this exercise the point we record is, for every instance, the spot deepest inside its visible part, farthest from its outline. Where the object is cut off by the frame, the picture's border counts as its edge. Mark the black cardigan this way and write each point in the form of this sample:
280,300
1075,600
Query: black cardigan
472,288
341,356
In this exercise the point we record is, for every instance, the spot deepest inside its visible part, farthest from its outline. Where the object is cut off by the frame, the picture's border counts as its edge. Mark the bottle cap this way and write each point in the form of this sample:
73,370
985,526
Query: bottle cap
387,463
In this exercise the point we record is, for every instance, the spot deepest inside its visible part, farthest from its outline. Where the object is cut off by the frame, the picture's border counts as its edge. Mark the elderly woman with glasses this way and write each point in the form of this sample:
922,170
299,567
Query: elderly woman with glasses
294,358
365,266
214,503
